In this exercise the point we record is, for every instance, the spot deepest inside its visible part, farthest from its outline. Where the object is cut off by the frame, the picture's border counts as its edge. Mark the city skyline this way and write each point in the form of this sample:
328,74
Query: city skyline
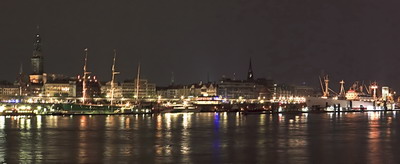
210,42
209,81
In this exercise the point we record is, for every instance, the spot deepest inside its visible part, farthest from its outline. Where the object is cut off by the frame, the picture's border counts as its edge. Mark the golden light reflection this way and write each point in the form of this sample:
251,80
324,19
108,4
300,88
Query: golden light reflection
373,137
262,128
280,117
82,147
186,120
262,119
82,123
121,122
224,121
38,121
185,147
14,121
52,121
373,116
128,123
136,123
168,120
2,122
237,119
22,122
25,122
28,123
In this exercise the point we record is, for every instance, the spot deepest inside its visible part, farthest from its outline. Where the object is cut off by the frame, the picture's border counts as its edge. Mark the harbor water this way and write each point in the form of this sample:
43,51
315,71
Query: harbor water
361,137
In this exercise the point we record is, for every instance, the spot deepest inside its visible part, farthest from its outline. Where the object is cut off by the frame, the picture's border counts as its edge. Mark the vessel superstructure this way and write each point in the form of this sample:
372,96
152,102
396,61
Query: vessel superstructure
358,97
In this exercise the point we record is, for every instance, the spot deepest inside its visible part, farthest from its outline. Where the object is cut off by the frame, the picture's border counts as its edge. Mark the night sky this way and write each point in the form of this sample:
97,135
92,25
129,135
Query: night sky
289,41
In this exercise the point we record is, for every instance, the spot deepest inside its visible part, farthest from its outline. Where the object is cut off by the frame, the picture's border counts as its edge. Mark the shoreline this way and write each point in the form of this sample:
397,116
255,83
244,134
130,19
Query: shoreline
157,113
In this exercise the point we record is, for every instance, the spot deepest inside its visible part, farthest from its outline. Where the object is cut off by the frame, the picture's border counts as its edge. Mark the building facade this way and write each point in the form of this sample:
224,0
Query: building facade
106,90
60,89
235,89
93,87
145,89
9,90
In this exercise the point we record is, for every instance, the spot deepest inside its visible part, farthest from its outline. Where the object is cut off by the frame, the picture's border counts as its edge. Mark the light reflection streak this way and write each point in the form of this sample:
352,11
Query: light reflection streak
168,121
186,120
373,116
128,123
2,139
216,138
224,121
2,122
237,119
22,122
373,136
82,147
121,122
109,121
185,148
28,123
83,123
38,121
52,121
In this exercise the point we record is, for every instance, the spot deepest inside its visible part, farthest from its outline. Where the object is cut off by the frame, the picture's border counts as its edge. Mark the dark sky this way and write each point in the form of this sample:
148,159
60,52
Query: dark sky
289,40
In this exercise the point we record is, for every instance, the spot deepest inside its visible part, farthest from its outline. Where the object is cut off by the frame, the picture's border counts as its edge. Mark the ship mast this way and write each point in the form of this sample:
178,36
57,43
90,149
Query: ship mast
137,82
326,89
113,78
342,91
85,73
374,86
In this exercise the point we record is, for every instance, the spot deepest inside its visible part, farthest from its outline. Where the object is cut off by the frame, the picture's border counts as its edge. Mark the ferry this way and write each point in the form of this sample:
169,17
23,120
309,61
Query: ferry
209,104
184,107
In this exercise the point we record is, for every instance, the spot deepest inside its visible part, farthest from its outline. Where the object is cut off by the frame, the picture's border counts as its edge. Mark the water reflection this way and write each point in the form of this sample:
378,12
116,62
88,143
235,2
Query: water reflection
369,137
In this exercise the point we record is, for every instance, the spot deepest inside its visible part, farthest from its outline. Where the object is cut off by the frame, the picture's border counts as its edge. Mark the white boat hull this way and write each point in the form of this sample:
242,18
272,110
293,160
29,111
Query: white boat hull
313,102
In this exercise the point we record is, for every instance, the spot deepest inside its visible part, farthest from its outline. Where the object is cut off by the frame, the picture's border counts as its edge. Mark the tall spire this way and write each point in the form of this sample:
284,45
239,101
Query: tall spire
37,45
21,69
172,79
20,80
250,75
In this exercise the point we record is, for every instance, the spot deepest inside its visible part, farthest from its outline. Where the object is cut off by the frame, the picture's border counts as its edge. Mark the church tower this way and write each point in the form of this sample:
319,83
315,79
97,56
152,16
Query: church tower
37,76
37,58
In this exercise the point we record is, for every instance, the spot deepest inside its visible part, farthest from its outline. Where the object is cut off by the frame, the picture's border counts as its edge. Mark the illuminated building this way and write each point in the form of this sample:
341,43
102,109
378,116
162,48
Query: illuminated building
303,91
60,89
8,89
174,91
93,87
234,89
283,90
146,89
192,90
208,90
106,90
202,89
247,89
